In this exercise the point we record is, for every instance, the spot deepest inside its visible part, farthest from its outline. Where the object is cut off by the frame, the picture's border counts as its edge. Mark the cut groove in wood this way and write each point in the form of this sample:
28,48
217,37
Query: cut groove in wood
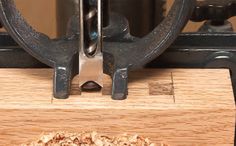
75,89
156,88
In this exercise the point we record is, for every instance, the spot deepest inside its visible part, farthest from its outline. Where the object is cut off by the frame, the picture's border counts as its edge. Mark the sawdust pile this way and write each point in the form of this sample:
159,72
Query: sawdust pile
90,139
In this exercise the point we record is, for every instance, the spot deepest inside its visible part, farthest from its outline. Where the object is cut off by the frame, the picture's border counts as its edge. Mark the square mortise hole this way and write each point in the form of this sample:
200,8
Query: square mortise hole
161,88
75,89
106,90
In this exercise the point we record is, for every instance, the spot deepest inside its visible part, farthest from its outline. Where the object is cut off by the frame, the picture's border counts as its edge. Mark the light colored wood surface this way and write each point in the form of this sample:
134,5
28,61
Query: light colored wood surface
181,107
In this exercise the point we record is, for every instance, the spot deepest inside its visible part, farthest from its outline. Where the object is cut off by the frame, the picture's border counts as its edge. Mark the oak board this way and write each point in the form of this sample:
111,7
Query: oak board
178,106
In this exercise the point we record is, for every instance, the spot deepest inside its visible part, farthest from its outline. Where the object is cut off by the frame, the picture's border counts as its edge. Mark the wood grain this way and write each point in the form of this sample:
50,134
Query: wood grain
191,107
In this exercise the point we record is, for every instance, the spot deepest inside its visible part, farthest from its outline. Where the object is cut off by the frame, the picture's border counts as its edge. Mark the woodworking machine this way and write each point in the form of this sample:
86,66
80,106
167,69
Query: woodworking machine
97,37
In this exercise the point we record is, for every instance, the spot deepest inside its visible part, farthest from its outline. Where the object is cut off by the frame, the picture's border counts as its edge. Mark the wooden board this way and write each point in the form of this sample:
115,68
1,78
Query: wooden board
181,107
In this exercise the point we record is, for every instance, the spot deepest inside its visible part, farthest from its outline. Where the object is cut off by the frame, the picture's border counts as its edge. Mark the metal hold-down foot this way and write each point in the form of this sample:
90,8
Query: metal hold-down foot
120,84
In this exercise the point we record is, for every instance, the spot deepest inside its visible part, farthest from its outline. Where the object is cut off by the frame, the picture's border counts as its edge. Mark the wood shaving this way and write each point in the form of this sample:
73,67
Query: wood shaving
90,139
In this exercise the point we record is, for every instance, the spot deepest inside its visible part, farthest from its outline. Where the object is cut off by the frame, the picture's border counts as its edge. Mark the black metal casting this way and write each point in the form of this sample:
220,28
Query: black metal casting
121,51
